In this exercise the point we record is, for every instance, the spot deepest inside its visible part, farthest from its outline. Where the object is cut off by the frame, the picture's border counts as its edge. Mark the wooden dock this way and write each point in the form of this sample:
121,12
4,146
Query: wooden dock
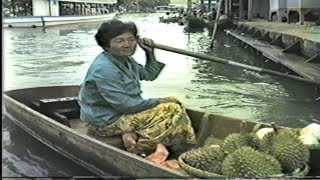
311,33
308,68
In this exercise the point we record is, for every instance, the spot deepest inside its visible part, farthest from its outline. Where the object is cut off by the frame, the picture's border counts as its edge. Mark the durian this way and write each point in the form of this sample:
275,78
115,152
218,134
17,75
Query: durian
235,141
262,132
247,162
287,148
206,158
252,140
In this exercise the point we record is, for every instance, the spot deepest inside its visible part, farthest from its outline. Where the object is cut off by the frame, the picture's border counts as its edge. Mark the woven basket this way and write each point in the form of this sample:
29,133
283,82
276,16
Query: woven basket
194,171
300,172
205,174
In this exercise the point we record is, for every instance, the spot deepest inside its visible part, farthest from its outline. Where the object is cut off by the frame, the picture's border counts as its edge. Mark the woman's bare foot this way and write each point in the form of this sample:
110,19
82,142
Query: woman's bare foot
160,155
129,140
172,164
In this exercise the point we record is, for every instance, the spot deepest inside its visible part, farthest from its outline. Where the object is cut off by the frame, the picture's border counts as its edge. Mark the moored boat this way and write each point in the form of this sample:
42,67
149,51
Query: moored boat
165,9
48,21
222,24
51,115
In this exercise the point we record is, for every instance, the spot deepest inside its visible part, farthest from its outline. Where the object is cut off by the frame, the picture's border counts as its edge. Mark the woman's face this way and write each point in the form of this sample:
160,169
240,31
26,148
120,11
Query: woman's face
123,45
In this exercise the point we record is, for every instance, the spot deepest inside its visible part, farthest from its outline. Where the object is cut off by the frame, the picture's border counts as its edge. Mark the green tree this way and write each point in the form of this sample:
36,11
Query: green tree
162,2
124,2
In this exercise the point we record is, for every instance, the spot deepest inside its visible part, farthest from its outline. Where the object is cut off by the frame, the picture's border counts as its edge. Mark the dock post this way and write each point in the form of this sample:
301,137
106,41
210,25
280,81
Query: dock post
264,37
43,22
230,8
277,41
189,6
249,10
317,93
216,23
315,58
295,47
226,7
241,12
256,33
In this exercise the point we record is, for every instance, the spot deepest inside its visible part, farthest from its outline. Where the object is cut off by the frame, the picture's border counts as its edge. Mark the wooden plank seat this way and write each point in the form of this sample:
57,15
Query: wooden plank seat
60,109
59,103
66,110
81,127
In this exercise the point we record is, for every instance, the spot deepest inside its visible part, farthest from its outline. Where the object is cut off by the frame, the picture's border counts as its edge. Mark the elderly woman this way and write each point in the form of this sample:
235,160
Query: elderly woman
110,95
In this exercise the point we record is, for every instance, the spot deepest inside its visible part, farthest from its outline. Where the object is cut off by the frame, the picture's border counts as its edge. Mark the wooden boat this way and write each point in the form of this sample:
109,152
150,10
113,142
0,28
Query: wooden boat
165,9
169,20
194,24
222,25
48,21
51,115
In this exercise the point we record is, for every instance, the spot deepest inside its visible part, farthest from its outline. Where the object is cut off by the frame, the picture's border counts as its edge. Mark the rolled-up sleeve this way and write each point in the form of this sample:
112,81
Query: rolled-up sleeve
113,91
151,70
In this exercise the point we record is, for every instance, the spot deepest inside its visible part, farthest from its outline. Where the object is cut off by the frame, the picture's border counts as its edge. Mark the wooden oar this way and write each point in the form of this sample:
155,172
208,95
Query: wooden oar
232,63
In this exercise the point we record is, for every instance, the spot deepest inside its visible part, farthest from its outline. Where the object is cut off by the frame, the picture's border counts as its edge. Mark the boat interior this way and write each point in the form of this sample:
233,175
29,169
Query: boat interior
60,104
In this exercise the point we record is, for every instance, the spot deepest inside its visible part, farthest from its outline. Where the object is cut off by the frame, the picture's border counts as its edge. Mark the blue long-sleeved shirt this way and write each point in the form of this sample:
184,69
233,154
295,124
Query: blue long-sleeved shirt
110,89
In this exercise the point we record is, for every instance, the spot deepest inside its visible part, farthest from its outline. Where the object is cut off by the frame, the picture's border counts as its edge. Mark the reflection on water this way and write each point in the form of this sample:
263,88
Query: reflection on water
24,156
61,56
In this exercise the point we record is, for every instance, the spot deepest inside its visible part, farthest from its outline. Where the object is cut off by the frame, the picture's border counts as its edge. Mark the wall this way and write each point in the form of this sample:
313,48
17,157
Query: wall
278,4
261,7
303,4
310,4
54,4
41,7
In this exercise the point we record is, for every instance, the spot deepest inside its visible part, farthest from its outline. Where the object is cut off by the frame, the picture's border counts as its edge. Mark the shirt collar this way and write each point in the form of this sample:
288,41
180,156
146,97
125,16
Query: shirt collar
120,65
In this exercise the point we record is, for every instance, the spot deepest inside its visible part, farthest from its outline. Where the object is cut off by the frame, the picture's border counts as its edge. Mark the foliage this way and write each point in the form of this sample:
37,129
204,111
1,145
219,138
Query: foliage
8,3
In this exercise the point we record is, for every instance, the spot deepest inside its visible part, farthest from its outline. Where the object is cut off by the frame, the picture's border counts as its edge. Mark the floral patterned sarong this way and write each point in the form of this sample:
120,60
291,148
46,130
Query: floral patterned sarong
167,123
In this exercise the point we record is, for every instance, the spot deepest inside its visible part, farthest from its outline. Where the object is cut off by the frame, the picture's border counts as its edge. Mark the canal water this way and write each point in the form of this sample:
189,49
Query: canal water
61,56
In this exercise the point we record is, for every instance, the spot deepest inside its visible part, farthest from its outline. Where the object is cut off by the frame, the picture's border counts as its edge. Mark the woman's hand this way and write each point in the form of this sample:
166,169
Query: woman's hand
146,44
170,99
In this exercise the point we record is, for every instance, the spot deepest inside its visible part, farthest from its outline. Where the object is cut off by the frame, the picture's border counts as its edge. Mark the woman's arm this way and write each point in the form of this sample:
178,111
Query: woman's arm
112,89
152,68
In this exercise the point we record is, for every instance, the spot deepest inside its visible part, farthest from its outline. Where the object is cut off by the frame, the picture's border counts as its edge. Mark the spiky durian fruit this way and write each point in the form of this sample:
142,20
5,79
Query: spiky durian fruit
253,140
287,148
262,132
267,141
235,141
206,158
247,162
293,130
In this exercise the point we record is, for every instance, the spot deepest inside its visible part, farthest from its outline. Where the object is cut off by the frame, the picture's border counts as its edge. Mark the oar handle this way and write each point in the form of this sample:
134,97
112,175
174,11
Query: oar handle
232,63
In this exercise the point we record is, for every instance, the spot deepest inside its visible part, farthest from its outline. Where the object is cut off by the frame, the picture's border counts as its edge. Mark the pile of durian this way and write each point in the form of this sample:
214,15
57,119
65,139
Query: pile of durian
269,152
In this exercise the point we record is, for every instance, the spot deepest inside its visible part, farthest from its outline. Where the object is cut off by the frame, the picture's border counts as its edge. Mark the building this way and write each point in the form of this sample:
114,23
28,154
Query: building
58,7
297,11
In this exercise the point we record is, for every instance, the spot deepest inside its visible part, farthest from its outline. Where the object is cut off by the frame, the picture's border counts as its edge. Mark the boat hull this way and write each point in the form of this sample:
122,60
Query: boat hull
97,157
49,21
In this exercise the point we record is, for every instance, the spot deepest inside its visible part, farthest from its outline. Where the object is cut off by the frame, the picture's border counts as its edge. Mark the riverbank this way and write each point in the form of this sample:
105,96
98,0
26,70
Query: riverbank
311,33
294,46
